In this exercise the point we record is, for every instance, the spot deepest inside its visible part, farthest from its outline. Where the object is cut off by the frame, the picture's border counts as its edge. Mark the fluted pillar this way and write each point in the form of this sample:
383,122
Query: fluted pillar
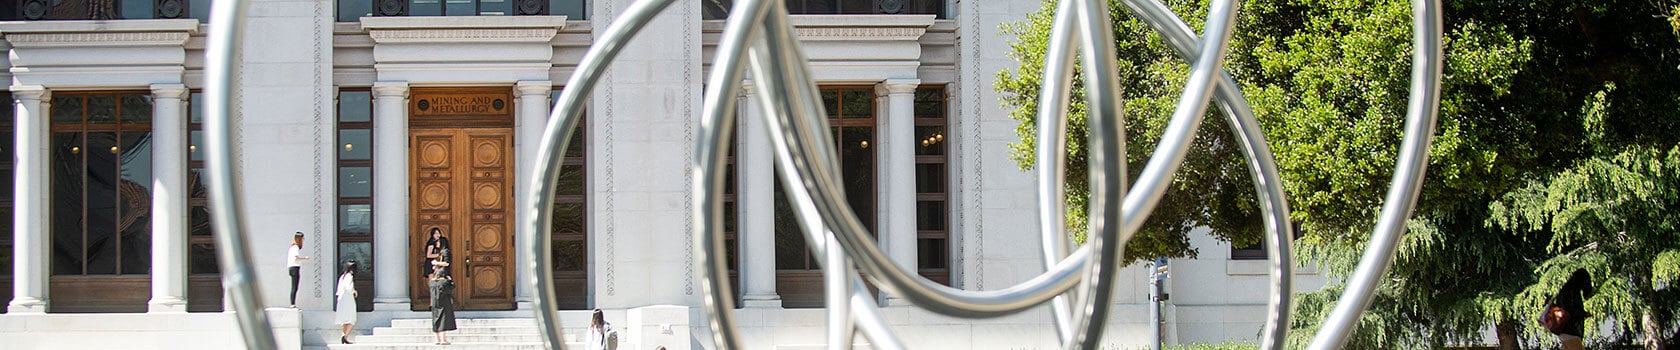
30,203
390,196
755,205
169,199
897,172
528,126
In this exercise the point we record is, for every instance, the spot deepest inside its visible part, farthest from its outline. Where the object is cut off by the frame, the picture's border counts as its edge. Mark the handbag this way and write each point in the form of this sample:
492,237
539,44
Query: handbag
1553,317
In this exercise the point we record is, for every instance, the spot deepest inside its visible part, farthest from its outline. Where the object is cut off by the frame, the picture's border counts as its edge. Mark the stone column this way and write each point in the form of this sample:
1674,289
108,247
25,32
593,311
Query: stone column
390,196
756,233
30,203
528,126
897,173
169,199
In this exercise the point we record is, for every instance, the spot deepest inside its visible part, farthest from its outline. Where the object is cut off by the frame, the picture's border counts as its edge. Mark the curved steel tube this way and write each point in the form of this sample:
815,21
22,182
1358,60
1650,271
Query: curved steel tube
1422,107
222,56
568,108
1268,185
1050,159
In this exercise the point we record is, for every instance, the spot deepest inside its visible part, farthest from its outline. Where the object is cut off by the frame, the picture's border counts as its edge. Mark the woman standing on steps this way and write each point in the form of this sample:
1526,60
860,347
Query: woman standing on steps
346,314
443,298
598,329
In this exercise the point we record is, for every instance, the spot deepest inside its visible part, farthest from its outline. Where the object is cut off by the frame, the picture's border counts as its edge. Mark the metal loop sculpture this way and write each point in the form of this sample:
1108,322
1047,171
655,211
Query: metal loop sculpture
1078,284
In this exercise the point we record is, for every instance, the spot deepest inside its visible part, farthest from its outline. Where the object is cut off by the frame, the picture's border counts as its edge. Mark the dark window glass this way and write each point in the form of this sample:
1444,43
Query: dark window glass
719,9
931,253
103,9
361,253
67,109
101,109
137,108
67,195
933,248
353,11
134,198
203,262
355,144
572,9
930,216
569,217
355,219
569,255
355,106
934,181
355,181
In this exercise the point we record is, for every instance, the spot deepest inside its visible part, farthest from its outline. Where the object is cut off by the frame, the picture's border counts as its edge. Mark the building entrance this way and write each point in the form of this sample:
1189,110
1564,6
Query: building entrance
461,182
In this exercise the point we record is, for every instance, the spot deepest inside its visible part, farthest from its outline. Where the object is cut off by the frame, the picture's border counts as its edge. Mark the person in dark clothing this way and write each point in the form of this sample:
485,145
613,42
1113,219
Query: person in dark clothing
443,298
1571,298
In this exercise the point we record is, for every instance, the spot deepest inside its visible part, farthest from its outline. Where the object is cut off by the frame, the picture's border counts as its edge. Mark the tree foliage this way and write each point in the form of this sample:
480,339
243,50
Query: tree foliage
1539,98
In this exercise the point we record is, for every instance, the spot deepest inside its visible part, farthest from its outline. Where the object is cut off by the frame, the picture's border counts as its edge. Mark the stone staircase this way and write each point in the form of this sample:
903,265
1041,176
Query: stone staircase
472,334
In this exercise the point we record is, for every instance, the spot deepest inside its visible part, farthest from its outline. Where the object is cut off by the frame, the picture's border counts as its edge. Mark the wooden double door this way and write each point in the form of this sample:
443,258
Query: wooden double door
462,183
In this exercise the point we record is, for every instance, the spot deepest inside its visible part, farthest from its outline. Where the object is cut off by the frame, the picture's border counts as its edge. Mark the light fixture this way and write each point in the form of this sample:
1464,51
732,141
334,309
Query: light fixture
864,144
349,146
938,137
75,150
113,149
924,143
192,148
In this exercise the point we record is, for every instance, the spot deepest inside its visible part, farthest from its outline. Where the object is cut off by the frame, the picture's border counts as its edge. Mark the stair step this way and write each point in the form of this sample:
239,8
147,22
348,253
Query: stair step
467,322
461,330
458,338
453,346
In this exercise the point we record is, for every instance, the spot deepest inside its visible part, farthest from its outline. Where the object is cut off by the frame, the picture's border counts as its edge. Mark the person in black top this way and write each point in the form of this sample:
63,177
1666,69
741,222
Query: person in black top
443,299
434,245
1571,298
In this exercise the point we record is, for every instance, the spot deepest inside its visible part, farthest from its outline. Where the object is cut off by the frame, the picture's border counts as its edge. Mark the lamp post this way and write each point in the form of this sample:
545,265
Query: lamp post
1157,295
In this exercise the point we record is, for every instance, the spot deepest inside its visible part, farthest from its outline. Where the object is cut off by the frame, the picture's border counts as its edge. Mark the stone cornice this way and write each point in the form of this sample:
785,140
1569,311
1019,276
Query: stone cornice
125,25
463,22
98,39
861,27
860,33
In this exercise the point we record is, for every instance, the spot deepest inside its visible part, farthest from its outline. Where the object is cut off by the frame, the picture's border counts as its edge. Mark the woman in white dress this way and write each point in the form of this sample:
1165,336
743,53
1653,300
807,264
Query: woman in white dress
598,329
346,314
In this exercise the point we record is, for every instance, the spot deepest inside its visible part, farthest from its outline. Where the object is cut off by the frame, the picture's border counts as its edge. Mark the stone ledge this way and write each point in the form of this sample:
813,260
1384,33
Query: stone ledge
462,22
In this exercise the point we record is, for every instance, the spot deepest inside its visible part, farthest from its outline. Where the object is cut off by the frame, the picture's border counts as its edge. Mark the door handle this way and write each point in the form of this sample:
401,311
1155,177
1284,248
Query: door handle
469,266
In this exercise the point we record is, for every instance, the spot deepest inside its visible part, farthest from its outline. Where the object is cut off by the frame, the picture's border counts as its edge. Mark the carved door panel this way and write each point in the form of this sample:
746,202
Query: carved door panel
462,185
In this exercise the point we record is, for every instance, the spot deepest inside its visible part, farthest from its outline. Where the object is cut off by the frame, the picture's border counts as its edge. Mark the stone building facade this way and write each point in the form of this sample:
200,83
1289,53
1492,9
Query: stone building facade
369,122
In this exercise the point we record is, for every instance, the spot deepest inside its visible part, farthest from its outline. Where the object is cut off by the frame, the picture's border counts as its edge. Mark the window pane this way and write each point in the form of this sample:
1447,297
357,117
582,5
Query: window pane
729,217
572,9
930,216
831,102
930,178
574,145
715,9
931,253
200,10
136,108
360,252
857,168
495,8
67,176
930,141
355,106
459,8
569,255
857,103
135,202
355,219
354,10
136,9
930,103
199,218
195,107
571,180
67,109
790,242
202,259
102,109
103,179
569,218
195,139
355,144
425,8
355,182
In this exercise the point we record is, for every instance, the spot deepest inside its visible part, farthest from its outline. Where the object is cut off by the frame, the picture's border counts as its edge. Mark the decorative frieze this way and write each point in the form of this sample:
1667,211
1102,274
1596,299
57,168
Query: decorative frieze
452,34
21,40
861,33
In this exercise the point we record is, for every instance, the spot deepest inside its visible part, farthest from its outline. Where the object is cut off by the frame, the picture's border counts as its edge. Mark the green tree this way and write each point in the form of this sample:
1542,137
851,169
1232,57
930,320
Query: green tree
1531,91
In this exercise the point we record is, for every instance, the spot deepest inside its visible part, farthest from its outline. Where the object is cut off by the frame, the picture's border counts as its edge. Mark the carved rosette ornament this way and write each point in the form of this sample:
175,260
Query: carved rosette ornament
34,9
391,8
890,6
171,8
530,7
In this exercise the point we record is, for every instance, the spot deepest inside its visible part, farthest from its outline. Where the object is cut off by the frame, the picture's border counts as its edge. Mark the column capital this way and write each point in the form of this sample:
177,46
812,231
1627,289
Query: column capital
30,92
175,91
533,87
897,86
390,89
